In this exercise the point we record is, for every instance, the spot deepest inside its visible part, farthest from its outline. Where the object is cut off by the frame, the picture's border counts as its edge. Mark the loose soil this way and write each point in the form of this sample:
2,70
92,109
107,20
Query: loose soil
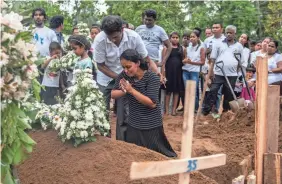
105,161
108,161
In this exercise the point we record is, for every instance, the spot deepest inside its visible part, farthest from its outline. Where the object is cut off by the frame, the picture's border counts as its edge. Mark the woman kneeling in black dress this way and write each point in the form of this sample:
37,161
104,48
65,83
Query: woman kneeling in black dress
141,86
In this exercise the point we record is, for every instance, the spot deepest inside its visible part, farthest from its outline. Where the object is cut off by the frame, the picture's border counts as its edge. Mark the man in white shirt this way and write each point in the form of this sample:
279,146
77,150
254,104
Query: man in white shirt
42,35
217,36
108,45
224,51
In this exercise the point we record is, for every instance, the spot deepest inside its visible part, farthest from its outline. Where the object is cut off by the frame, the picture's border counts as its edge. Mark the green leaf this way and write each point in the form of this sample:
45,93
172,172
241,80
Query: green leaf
28,147
25,138
39,61
25,35
22,123
32,114
93,139
36,86
18,156
7,155
77,141
8,178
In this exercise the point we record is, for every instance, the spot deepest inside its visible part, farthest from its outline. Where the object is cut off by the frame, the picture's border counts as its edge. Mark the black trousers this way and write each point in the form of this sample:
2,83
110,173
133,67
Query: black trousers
211,97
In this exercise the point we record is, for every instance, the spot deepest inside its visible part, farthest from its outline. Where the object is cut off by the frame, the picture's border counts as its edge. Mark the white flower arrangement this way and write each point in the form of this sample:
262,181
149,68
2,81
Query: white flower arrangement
64,63
83,114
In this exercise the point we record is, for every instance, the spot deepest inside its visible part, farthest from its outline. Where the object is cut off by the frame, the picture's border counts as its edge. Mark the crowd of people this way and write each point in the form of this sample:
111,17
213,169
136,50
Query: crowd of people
133,66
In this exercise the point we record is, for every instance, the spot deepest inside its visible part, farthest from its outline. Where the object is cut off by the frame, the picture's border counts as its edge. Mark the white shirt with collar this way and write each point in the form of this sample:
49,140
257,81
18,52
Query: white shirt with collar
208,43
212,40
109,53
223,52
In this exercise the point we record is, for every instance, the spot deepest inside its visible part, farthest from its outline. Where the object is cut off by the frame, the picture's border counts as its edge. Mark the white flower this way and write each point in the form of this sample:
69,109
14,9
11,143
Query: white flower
73,125
1,82
74,113
78,97
44,126
92,95
8,36
78,104
12,20
62,131
107,126
77,71
69,135
57,119
3,58
83,134
95,108
88,99
3,4
58,125
88,70
88,116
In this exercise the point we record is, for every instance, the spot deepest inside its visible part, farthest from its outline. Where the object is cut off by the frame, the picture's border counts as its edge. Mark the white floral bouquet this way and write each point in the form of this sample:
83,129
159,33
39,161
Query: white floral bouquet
47,115
84,113
64,63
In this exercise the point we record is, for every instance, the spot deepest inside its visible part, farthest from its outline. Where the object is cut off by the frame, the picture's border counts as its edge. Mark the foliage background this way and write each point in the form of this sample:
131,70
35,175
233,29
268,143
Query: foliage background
256,18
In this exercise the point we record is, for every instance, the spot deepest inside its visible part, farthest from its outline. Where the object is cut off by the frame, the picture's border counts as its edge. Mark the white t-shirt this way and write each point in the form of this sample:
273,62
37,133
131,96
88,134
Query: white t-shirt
194,54
246,55
254,56
107,52
152,38
42,37
272,63
208,43
223,52
51,79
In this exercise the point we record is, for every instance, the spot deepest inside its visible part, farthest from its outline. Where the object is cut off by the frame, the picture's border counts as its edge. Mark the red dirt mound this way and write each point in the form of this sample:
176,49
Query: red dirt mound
105,161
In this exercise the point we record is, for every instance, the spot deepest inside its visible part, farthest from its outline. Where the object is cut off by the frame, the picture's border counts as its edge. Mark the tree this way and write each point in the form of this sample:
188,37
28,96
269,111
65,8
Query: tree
169,13
273,23
242,14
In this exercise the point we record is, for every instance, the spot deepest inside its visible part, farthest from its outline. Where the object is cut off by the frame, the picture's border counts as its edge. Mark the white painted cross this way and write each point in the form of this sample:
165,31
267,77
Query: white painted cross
186,164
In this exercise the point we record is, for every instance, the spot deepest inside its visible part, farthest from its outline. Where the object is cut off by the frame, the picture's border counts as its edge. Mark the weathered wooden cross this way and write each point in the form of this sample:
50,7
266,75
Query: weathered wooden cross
186,164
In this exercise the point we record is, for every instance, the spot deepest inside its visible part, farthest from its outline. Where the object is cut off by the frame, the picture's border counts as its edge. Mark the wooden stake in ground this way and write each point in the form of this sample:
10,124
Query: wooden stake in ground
186,164
272,127
273,168
187,127
261,116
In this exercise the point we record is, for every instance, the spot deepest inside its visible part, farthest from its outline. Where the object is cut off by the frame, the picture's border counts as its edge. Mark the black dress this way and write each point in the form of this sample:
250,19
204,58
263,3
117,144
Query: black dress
145,127
173,72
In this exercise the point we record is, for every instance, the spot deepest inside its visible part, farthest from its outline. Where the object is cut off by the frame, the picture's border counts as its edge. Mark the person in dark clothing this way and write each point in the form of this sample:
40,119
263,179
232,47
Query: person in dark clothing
141,87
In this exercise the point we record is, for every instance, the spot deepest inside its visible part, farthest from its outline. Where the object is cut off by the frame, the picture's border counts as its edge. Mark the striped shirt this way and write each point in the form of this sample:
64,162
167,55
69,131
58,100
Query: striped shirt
141,116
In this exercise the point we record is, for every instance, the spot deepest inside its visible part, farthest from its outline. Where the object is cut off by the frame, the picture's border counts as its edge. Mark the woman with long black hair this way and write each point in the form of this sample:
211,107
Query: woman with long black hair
141,86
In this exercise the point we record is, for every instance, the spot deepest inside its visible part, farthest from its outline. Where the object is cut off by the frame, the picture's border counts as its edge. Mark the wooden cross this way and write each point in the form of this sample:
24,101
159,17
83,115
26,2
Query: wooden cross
186,164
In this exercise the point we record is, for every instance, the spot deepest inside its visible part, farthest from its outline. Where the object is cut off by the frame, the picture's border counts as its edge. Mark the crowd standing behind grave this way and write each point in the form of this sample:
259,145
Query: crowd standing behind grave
132,66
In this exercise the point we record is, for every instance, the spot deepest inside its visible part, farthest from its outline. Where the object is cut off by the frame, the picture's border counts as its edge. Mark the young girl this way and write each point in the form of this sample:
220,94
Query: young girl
250,78
194,59
51,80
141,87
81,47
172,73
